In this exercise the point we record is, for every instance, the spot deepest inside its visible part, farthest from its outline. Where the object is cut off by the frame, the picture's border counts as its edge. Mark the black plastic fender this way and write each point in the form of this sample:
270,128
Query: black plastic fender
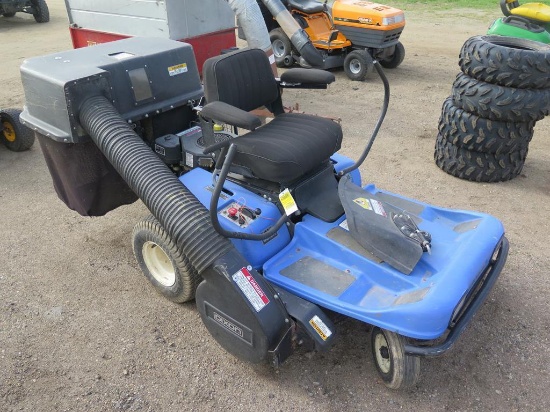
242,312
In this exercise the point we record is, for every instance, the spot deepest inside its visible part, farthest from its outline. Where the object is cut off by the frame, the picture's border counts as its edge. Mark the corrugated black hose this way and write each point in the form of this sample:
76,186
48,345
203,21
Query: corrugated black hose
173,205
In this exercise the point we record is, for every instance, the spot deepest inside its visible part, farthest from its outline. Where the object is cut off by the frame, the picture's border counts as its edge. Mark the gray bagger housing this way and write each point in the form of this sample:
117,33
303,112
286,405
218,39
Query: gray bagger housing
155,81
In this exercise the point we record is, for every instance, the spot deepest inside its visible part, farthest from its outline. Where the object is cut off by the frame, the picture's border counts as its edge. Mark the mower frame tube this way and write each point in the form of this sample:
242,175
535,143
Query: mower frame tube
177,209
295,33
467,316
365,153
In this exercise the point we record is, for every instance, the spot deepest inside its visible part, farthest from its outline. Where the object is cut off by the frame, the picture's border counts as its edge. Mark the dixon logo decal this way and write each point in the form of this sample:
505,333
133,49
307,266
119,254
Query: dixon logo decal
228,325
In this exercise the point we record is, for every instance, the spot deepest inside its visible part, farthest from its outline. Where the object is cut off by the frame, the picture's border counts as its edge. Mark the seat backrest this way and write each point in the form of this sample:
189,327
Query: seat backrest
243,79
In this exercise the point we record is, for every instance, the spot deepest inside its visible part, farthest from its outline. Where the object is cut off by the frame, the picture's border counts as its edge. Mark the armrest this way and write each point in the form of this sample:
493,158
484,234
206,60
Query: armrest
232,115
307,77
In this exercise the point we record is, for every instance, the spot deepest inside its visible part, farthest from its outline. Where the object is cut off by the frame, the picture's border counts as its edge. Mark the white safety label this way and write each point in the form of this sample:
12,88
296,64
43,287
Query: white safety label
188,159
363,202
378,208
177,69
288,202
320,327
344,225
253,292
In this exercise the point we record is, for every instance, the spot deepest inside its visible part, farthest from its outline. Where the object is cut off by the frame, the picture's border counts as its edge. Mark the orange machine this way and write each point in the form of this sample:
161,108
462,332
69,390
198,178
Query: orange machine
349,33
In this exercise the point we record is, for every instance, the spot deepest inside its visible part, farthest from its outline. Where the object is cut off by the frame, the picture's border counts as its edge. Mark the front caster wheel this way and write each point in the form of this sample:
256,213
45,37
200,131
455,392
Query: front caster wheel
162,263
398,370
358,64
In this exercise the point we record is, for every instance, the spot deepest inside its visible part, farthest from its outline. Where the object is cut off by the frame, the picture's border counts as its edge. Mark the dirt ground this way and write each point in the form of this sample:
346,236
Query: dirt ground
81,329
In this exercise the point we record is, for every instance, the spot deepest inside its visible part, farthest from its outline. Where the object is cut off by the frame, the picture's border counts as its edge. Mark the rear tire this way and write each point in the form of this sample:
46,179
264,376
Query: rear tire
163,263
396,59
41,12
10,14
358,64
14,135
282,48
397,369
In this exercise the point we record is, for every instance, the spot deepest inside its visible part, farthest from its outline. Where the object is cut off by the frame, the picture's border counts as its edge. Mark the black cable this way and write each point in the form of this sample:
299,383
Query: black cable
359,162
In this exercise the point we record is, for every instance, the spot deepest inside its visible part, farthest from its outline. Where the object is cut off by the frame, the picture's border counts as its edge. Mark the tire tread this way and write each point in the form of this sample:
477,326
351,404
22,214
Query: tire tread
478,166
506,61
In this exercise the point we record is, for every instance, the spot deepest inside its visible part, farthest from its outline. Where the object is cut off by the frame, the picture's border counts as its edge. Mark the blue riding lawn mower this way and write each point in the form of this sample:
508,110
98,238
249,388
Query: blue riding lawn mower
269,231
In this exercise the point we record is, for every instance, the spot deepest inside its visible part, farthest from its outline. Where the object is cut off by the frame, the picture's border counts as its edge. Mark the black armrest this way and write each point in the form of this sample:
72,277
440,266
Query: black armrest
307,77
225,113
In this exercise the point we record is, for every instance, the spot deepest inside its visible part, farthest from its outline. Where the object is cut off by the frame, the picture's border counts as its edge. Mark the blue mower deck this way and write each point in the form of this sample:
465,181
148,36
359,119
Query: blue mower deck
324,265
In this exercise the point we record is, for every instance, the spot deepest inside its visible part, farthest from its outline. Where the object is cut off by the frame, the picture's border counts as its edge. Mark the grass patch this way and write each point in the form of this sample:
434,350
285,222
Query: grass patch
445,4
486,10
486,5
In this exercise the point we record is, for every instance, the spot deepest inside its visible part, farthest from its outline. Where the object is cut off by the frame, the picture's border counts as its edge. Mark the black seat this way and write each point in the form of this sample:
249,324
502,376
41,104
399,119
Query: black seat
306,6
281,151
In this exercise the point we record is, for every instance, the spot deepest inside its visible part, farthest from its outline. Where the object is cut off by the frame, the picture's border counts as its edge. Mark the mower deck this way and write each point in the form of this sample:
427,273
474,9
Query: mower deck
324,265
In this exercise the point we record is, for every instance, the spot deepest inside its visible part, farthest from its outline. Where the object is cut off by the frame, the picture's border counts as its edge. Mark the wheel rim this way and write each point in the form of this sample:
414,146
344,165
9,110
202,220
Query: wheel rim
355,66
159,264
9,131
382,353
278,48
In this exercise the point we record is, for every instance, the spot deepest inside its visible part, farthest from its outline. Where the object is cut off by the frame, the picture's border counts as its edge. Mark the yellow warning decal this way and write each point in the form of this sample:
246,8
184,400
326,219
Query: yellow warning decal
288,202
320,327
177,69
363,202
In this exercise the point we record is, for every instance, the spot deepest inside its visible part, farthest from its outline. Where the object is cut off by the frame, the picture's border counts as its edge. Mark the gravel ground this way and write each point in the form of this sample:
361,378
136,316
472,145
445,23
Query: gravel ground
81,329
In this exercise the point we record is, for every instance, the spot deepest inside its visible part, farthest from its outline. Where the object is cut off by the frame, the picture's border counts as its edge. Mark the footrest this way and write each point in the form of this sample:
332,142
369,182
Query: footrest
318,275
324,265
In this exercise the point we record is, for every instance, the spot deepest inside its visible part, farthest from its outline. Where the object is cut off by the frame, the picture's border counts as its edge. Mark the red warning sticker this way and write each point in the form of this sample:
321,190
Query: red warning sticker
253,292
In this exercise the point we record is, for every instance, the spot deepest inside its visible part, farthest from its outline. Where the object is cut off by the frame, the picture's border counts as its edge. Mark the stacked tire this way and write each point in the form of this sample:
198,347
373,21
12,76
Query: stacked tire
487,123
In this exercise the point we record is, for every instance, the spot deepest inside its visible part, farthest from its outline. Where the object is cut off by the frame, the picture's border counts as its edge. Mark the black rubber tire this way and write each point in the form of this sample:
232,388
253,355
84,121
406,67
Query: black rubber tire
14,135
507,61
397,57
505,104
41,12
149,234
282,48
477,166
482,135
358,64
10,14
397,369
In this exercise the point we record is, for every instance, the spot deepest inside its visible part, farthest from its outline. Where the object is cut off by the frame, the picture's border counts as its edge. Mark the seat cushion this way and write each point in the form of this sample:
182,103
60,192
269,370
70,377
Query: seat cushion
288,147
307,6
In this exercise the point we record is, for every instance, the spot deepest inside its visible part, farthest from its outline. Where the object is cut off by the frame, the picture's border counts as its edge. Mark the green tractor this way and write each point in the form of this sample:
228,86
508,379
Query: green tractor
38,8
529,21
13,134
